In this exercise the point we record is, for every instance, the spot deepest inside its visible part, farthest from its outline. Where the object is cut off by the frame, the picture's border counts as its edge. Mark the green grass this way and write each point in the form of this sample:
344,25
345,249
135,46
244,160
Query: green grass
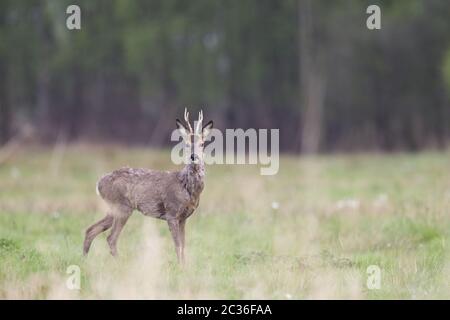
337,215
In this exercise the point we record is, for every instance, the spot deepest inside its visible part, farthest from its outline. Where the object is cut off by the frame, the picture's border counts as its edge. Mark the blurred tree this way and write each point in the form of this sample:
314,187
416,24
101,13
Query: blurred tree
312,74
5,112
311,68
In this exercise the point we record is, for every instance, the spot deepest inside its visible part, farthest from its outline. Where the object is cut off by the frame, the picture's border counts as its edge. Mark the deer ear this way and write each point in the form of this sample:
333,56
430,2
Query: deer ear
206,130
182,128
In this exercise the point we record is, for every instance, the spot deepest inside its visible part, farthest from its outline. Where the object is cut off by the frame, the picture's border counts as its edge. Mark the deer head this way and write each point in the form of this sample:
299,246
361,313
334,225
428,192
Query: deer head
194,140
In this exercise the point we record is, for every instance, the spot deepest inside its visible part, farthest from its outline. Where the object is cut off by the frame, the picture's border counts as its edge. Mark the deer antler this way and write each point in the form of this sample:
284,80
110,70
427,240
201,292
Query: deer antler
186,118
198,129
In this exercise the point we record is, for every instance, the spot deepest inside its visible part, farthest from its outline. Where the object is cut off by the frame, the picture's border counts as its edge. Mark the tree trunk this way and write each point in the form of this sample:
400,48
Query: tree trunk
312,82
76,106
5,111
43,75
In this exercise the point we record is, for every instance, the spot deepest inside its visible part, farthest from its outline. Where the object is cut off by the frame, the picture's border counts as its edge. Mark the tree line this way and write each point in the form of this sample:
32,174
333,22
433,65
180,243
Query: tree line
310,68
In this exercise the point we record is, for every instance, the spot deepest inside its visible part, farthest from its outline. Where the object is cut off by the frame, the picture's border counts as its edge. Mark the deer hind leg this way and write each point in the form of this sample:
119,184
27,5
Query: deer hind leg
175,230
120,219
94,230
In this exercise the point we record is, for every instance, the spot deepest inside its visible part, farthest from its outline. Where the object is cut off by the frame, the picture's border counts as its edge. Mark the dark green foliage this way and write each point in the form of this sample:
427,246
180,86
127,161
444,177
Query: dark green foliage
135,64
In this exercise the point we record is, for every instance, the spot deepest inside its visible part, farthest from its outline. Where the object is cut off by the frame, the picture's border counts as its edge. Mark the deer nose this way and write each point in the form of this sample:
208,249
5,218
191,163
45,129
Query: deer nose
194,158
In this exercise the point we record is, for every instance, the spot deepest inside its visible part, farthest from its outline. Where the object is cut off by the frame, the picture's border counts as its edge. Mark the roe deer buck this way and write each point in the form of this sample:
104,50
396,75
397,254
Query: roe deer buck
171,196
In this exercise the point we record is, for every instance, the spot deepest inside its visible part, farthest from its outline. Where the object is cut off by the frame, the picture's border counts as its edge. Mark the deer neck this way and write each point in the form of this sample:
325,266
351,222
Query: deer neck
191,178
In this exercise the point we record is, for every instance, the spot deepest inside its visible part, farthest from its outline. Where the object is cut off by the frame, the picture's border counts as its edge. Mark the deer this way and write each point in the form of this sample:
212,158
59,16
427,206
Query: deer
172,196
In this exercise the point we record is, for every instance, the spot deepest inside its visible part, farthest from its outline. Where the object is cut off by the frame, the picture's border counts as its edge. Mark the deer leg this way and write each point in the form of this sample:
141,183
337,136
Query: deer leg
94,230
118,224
174,227
182,239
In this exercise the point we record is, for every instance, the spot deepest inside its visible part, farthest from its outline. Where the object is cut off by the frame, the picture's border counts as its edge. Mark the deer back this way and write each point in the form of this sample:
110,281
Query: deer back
160,194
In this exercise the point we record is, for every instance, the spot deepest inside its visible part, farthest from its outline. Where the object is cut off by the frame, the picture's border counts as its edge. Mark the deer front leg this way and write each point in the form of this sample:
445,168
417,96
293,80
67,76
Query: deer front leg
182,238
174,227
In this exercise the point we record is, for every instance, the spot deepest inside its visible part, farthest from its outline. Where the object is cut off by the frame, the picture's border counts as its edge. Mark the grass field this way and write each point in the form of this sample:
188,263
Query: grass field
309,232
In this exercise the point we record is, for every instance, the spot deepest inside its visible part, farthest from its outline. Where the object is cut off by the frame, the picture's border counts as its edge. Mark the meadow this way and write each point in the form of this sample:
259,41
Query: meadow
309,232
